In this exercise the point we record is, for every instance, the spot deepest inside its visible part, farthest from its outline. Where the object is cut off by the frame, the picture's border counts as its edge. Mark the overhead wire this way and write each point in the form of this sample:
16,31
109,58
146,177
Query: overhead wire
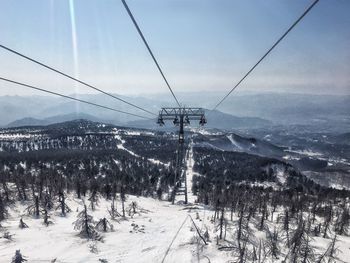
72,98
173,239
155,61
149,50
73,78
265,55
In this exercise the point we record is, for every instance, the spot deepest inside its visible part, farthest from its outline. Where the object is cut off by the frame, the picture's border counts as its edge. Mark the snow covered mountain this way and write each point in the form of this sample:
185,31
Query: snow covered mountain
83,191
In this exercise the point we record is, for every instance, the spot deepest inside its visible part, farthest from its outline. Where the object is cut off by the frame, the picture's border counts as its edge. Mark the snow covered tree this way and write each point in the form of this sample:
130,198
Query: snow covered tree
113,210
123,199
329,255
273,242
104,225
8,236
22,224
264,215
34,209
62,204
47,220
134,208
327,221
18,258
222,221
93,200
3,209
307,252
206,235
301,248
285,218
332,250
3,181
343,222
85,224
313,211
107,189
296,239
47,201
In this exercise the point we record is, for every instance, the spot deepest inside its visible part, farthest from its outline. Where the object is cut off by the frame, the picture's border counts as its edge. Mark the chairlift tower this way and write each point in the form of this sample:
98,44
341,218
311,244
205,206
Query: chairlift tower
181,117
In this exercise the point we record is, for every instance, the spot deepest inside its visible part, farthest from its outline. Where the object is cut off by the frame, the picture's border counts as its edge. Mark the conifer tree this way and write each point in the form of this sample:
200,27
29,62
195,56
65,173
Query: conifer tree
22,224
85,224
113,210
3,209
104,225
62,204
18,258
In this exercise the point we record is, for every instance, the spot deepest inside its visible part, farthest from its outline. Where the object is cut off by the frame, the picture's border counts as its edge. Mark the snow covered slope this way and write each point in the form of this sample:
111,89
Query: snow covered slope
162,233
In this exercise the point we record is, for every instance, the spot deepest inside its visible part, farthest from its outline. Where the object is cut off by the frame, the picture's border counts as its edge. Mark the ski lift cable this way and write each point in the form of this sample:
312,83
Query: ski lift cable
71,98
265,55
173,239
73,78
149,50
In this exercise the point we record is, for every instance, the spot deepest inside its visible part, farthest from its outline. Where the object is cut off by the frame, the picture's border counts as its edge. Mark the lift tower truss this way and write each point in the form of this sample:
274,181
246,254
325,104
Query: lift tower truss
181,117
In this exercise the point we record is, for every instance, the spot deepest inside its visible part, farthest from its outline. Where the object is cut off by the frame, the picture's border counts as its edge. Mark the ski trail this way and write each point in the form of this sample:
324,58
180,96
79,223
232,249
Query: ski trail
189,174
122,147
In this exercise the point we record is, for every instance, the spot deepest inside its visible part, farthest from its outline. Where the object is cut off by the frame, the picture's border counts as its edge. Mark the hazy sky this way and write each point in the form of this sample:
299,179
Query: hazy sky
201,45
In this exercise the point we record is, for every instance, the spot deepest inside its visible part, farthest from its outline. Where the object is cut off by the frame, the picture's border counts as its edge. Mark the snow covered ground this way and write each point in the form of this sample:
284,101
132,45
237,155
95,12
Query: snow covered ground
165,233
234,143
305,152
121,145
144,238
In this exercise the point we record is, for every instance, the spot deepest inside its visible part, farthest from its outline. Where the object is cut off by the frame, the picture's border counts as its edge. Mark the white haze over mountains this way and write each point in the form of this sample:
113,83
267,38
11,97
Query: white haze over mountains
270,108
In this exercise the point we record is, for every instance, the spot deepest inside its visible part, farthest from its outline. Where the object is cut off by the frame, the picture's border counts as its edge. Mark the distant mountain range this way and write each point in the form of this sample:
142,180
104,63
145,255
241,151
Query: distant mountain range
238,111
50,120
216,119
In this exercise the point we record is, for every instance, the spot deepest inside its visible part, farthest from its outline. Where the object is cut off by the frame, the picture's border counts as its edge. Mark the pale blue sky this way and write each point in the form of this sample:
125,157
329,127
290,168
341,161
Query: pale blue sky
201,45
